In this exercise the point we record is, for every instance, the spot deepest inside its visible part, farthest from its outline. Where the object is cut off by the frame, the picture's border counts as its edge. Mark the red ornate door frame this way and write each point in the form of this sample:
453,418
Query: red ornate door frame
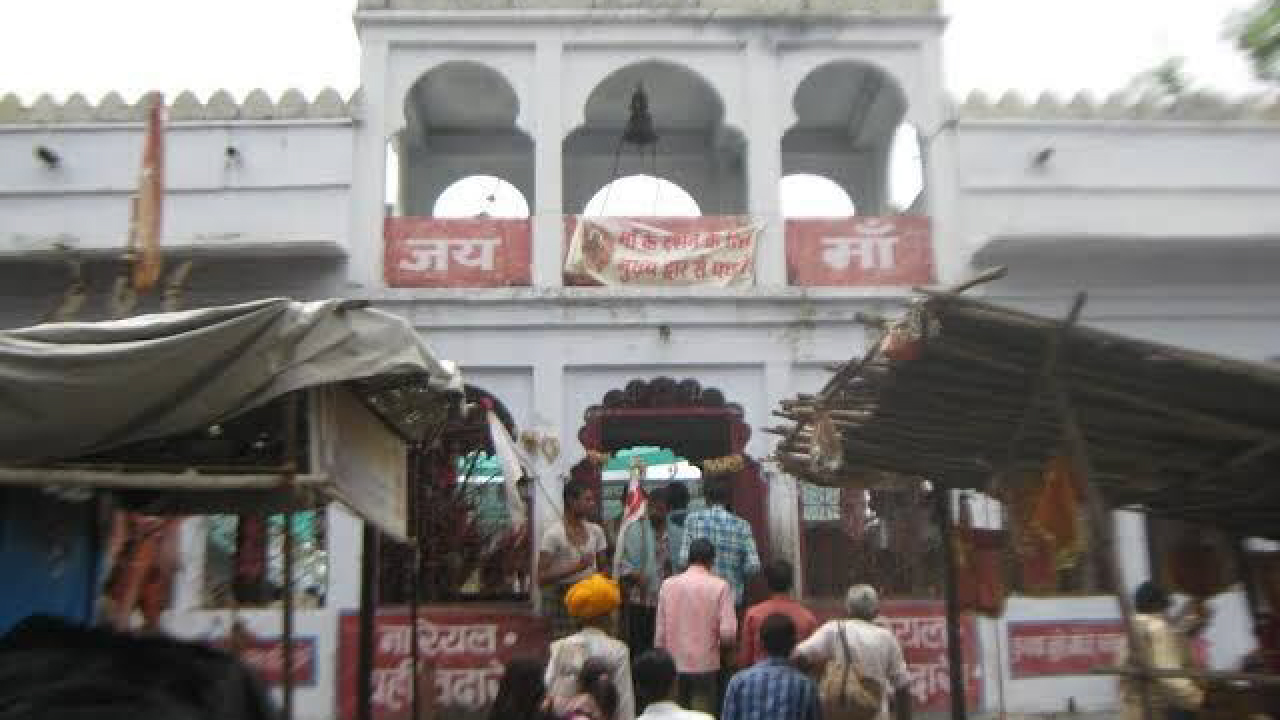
694,422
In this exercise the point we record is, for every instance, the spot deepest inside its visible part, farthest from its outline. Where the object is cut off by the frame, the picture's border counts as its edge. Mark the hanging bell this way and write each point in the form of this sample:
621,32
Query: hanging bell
640,131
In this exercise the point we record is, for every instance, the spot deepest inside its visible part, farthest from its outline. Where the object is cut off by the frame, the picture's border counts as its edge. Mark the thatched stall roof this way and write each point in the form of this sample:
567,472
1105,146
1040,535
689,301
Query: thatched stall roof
957,391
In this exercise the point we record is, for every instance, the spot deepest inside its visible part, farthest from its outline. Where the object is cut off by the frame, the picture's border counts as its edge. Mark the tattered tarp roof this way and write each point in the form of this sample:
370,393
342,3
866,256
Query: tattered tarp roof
72,389
954,393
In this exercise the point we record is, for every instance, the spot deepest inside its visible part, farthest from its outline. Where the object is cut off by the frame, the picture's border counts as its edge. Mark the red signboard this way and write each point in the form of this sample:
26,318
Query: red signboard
266,656
463,655
859,251
921,629
1068,647
427,252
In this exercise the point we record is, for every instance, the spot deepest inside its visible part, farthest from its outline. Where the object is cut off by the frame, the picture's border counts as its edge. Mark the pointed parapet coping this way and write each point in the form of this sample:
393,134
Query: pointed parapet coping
1151,106
850,7
186,106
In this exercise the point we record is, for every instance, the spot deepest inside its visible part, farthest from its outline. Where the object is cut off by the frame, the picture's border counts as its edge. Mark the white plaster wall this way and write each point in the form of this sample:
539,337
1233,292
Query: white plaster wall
1118,181
287,192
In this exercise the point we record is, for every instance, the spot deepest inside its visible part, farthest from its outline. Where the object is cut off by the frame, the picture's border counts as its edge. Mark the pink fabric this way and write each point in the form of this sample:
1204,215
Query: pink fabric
695,617
750,651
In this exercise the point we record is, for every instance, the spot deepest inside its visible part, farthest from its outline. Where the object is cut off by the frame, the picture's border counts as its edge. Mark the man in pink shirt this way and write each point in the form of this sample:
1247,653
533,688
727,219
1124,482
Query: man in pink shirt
695,619
779,576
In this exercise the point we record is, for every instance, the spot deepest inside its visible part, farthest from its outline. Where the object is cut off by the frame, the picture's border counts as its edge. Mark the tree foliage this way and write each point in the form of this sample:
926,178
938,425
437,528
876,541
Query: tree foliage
1256,32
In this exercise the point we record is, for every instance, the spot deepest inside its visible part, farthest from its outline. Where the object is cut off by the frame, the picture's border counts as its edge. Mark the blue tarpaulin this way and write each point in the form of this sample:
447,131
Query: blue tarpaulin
49,561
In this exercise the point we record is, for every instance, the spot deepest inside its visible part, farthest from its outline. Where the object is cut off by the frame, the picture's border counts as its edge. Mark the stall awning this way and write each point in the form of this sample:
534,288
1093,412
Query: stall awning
955,393
73,389
185,412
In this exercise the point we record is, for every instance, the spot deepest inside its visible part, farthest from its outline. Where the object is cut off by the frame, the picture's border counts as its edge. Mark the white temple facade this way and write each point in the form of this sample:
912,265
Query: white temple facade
1166,210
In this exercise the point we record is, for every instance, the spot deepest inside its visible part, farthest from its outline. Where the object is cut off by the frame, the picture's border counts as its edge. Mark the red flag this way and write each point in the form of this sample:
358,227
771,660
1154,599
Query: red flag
144,241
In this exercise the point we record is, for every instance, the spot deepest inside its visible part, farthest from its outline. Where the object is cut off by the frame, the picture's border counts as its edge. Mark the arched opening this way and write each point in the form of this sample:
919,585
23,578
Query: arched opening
481,196
804,195
850,128
461,122
695,149
642,196
687,420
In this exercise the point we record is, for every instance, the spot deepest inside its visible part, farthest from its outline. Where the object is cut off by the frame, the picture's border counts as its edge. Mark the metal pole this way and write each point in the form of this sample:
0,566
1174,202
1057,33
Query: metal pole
415,571
290,473
955,650
368,606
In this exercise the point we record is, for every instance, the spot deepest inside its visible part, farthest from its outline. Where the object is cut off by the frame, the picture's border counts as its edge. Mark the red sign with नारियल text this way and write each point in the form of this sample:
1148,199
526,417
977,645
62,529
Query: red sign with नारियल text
921,629
463,655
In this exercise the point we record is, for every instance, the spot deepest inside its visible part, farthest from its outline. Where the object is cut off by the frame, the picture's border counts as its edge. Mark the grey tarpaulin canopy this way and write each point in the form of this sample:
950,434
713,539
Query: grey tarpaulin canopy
70,393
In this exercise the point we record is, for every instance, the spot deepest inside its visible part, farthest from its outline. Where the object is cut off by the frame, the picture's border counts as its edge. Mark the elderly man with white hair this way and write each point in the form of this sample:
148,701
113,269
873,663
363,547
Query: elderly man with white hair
871,648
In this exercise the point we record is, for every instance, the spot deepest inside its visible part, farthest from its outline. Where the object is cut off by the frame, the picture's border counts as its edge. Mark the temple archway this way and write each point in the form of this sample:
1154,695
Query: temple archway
696,423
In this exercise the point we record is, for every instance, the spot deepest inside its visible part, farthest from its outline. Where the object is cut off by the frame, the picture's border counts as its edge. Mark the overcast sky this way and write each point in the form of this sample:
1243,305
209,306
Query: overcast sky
94,46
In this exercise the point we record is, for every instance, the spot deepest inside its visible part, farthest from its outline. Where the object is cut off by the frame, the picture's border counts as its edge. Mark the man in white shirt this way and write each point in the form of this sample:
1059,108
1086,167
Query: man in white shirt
655,678
873,648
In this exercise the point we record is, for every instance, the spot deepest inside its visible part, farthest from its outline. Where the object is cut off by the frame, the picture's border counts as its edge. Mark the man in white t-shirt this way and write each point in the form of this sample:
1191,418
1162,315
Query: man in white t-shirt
874,648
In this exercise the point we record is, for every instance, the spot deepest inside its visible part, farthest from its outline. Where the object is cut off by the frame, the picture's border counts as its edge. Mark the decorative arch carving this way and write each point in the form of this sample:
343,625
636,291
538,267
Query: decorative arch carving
696,422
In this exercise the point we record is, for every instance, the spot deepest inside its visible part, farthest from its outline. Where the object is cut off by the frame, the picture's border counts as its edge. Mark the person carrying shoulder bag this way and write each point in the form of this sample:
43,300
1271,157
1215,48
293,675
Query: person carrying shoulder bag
860,663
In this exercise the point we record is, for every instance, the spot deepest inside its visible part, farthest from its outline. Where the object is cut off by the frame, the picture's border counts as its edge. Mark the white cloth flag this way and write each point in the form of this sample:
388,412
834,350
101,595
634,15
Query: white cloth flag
514,465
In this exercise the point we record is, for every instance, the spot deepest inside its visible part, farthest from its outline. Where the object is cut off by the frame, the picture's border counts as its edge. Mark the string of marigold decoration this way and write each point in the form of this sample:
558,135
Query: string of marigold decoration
729,464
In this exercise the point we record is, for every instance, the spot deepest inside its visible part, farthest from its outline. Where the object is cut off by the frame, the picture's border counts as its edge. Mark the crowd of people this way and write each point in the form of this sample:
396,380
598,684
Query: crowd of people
664,632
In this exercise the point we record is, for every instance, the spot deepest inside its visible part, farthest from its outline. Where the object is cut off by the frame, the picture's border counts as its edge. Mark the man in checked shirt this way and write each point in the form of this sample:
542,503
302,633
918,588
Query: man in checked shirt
736,558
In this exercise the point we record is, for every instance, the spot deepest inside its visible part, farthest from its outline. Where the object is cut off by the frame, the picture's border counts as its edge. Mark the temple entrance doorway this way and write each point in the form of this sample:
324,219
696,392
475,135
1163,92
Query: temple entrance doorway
691,422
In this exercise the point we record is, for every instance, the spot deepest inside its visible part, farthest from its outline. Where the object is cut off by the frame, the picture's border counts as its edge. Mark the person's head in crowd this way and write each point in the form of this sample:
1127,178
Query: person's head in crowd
779,576
596,680
678,496
579,500
593,600
1150,599
659,504
521,691
862,602
717,492
654,675
778,635
702,552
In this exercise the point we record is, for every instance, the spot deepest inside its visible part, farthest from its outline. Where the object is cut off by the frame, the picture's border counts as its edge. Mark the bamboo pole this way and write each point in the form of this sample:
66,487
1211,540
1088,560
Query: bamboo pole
1101,520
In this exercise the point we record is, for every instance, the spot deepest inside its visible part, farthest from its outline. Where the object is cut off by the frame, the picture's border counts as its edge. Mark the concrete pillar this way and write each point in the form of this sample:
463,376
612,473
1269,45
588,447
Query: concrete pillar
548,411
548,164
783,490
368,178
938,153
764,157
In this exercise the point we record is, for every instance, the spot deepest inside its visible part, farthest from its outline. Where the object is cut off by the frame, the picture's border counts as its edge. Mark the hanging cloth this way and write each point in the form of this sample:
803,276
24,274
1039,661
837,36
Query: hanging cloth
979,558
